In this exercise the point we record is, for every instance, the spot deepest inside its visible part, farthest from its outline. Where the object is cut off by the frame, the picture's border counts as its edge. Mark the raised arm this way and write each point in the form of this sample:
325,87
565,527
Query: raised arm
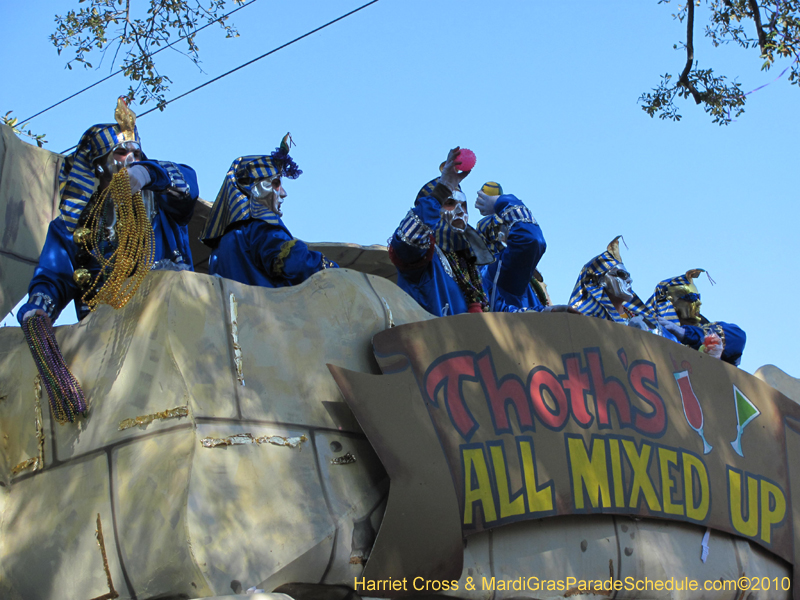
525,243
174,184
411,247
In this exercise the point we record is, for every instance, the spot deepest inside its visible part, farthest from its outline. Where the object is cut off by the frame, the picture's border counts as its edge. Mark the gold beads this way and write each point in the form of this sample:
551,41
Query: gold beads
82,277
123,271
81,236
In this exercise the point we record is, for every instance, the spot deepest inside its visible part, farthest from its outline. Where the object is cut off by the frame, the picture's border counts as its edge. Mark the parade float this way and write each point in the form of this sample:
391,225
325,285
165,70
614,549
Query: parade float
334,440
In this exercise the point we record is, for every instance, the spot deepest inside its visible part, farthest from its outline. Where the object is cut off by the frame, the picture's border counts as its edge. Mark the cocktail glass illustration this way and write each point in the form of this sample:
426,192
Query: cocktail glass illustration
746,411
691,407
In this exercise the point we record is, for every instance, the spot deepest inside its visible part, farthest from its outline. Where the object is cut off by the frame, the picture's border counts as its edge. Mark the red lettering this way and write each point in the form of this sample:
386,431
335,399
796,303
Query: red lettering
448,372
542,378
576,385
607,391
654,423
500,395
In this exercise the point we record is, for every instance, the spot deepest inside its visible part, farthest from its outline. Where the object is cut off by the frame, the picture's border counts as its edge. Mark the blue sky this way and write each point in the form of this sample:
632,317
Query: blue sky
544,93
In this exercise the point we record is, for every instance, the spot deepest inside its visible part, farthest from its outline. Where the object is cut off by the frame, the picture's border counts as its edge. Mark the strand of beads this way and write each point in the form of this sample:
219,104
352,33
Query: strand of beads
124,270
468,280
65,393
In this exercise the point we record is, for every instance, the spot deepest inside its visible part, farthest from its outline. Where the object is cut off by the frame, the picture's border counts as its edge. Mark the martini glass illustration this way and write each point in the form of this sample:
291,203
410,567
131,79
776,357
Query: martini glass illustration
691,407
746,411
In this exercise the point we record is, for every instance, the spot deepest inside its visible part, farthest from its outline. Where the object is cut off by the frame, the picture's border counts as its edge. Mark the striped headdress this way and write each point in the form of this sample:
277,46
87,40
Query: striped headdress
427,189
234,204
446,237
589,297
76,179
489,227
660,304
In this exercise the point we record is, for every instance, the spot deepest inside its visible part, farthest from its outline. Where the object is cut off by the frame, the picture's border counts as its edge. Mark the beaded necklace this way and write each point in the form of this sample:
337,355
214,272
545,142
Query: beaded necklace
130,239
66,396
468,279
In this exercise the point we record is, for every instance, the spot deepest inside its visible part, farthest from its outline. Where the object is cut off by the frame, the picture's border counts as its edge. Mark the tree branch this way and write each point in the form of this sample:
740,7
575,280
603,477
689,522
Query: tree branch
762,37
684,78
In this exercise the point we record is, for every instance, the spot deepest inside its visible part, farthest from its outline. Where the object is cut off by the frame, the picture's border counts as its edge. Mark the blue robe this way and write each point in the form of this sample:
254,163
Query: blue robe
255,252
735,339
426,275
527,236
175,193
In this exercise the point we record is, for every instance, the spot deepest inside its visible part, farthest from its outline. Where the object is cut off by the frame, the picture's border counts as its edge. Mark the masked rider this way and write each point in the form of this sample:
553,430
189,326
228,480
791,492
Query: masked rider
677,303
438,255
495,231
250,241
66,270
605,290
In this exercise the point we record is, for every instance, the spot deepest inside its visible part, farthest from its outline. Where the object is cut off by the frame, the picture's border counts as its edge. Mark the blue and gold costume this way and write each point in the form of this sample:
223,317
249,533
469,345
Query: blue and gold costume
437,267
490,228
250,241
169,197
589,297
733,337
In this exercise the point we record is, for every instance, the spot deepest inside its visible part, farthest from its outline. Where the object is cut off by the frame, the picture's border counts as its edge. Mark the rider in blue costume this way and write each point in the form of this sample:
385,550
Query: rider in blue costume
251,244
438,255
604,290
677,303
66,270
495,231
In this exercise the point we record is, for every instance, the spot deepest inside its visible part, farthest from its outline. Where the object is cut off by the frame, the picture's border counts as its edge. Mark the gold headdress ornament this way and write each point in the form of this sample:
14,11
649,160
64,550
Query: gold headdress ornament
684,280
287,142
126,119
613,247
693,274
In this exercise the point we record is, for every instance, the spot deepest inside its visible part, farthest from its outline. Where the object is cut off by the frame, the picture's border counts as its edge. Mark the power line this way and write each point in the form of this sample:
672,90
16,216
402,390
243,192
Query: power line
250,62
25,121
297,39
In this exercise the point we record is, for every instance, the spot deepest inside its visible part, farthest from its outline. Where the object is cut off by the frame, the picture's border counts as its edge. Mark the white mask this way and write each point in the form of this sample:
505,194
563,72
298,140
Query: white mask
269,192
457,212
618,283
123,155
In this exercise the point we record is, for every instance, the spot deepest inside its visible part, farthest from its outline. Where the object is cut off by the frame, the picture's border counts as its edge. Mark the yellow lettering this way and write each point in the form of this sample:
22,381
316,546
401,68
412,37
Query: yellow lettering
666,458
616,472
641,480
538,499
508,508
481,489
692,463
775,515
750,526
591,474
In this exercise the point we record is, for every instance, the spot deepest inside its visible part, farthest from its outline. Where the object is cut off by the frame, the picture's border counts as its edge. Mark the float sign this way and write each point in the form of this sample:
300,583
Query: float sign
543,415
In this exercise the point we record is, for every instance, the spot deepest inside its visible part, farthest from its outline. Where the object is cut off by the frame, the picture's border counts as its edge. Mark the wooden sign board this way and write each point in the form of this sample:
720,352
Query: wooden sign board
518,417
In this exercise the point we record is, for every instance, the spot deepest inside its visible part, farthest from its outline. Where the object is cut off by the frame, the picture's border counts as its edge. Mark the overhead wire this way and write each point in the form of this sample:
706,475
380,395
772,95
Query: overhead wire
250,62
115,73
